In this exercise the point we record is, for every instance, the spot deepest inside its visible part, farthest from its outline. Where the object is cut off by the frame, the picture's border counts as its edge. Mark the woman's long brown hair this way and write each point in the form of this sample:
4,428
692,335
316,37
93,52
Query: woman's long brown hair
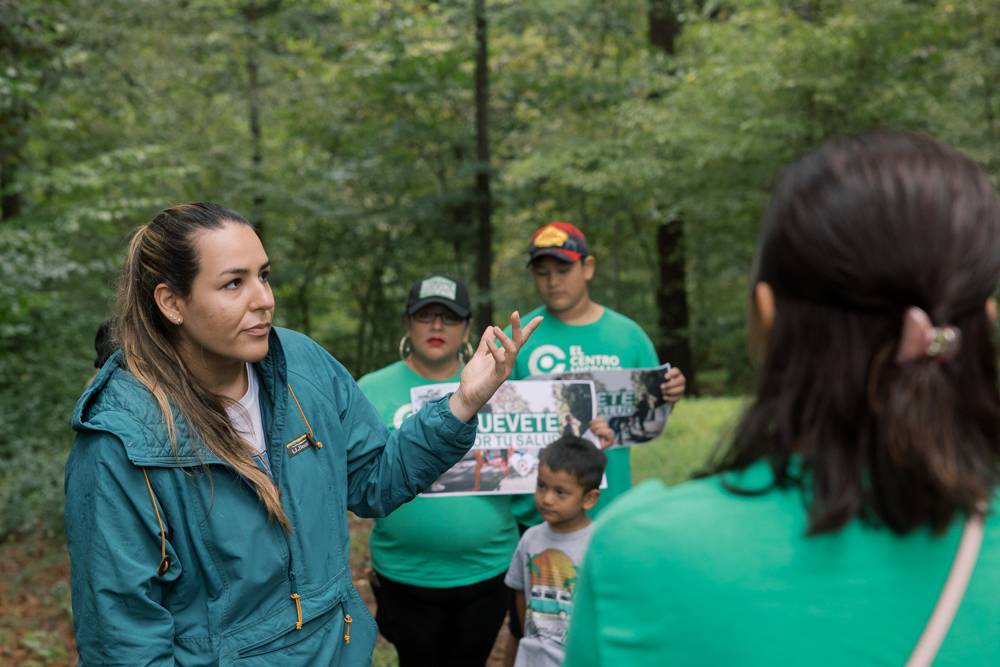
163,251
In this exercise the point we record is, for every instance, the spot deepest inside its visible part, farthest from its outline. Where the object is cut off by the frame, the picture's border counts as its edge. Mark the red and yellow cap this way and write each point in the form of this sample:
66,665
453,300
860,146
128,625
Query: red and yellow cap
560,240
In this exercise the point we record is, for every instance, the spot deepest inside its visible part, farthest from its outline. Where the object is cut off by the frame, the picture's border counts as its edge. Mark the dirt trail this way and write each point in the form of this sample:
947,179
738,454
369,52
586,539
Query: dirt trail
35,624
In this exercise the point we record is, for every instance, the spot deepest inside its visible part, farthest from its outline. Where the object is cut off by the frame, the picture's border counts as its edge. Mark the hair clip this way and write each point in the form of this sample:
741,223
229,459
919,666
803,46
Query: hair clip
920,339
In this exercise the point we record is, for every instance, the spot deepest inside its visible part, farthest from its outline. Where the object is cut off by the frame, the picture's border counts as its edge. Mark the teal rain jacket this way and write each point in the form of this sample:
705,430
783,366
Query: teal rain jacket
239,590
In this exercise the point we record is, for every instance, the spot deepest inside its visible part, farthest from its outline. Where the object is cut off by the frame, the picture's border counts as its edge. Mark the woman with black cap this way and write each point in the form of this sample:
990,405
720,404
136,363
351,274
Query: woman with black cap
438,563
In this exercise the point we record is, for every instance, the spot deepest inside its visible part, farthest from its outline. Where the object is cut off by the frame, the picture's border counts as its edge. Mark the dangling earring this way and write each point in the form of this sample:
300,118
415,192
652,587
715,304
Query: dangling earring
405,347
465,352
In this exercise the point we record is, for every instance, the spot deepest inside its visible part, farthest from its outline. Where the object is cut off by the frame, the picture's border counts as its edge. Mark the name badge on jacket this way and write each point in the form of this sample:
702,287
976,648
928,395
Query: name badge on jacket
298,444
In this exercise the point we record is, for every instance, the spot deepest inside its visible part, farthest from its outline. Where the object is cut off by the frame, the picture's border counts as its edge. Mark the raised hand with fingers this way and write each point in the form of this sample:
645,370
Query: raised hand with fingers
490,366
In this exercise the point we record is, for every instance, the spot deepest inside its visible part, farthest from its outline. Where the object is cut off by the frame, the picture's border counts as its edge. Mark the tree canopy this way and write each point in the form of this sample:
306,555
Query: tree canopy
346,132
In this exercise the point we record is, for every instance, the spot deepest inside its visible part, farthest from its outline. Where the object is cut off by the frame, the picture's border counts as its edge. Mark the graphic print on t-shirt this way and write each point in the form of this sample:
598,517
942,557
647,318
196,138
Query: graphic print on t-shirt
553,578
553,359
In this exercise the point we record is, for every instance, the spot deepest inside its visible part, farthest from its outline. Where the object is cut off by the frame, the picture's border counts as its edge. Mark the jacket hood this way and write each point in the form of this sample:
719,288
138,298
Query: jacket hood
115,401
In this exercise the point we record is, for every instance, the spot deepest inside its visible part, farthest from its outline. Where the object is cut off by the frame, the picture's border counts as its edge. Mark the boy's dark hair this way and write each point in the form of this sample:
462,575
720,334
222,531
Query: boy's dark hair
858,232
579,457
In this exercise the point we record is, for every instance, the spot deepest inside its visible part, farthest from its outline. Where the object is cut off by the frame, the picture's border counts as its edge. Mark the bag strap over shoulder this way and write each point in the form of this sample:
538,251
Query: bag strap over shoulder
951,594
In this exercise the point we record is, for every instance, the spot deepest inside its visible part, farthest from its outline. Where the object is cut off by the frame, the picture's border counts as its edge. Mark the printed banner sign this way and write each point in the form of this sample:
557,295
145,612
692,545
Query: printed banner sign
629,399
520,419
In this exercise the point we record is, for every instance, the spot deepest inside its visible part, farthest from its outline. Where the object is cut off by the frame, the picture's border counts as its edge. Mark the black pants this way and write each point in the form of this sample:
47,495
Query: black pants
441,626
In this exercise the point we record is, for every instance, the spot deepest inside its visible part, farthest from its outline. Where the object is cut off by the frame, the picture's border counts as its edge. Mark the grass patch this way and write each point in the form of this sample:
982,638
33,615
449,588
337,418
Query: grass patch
695,427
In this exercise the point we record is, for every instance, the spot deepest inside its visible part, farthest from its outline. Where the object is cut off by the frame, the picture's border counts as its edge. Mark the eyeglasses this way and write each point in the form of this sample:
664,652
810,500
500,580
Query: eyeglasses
428,316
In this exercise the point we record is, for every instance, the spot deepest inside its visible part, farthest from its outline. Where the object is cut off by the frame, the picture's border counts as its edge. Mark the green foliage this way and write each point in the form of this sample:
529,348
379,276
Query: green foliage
31,489
364,181
45,645
701,135
42,362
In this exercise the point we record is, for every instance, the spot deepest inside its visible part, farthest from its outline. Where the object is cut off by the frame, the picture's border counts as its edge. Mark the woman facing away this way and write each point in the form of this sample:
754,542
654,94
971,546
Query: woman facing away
438,563
215,459
832,519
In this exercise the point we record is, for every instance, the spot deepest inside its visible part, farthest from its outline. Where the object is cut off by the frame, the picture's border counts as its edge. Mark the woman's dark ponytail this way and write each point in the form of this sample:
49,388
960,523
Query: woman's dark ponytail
860,233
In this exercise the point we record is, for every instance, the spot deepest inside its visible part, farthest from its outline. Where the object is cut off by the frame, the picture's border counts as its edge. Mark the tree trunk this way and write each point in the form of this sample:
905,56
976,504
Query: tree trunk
664,26
671,293
252,13
484,201
369,344
988,90
12,139
256,140
671,300
310,251
10,197
369,312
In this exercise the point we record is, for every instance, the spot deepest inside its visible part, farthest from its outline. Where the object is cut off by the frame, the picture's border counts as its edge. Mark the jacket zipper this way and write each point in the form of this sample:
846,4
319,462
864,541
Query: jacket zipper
249,650
294,597
297,599
293,587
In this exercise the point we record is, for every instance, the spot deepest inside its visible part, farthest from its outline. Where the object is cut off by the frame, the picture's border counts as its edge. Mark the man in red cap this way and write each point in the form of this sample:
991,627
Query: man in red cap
579,334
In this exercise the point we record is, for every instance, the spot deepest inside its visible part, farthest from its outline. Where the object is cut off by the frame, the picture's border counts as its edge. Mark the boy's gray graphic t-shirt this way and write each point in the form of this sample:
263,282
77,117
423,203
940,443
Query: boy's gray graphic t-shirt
545,569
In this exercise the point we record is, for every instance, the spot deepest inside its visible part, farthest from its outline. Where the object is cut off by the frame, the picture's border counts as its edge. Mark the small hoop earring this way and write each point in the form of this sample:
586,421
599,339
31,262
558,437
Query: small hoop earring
405,347
465,352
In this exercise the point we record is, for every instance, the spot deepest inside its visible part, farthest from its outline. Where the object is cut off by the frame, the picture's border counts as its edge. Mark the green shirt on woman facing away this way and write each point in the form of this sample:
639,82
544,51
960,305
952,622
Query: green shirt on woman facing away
697,575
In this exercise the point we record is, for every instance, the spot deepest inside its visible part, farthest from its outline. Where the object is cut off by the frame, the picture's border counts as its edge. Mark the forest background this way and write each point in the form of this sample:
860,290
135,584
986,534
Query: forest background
372,141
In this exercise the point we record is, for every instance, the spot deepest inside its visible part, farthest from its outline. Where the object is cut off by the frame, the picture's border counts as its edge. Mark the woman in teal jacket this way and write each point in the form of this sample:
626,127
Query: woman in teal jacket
215,459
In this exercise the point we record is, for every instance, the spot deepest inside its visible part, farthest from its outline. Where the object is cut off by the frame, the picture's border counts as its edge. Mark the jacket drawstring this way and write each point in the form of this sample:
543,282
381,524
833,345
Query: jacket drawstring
297,599
164,561
312,436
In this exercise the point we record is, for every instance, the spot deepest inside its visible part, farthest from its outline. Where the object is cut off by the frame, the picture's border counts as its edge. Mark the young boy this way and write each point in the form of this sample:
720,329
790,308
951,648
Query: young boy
543,572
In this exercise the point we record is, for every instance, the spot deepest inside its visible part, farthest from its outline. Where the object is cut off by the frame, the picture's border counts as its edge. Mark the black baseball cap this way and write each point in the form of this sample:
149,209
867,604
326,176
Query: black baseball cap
441,288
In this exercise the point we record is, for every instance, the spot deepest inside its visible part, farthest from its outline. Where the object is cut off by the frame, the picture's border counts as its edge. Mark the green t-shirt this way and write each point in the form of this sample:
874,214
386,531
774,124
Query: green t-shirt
696,575
435,542
613,341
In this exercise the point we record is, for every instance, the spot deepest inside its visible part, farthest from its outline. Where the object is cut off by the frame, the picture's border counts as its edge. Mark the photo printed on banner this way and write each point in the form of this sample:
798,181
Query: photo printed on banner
629,398
520,419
